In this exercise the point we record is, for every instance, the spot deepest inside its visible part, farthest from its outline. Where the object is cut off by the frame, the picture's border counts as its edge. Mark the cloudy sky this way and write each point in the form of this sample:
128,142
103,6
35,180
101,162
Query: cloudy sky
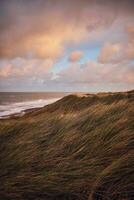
66,45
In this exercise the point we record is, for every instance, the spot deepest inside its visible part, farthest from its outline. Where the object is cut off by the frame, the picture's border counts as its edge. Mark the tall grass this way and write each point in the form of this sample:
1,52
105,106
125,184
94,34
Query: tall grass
77,148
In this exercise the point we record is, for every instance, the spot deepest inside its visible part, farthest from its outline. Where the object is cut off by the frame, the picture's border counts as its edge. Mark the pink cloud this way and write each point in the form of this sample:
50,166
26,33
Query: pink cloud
75,56
94,72
111,53
119,51
47,29
25,67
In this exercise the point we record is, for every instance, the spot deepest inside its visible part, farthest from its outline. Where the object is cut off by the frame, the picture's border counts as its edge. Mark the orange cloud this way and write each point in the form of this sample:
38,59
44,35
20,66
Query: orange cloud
110,53
130,46
47,29
75,56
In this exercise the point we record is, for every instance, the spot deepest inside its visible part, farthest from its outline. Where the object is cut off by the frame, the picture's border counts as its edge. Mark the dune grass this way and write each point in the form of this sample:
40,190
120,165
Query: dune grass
76,148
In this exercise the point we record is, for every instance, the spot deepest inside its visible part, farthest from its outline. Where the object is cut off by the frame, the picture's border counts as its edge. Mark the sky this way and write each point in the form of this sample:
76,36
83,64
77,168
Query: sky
66,45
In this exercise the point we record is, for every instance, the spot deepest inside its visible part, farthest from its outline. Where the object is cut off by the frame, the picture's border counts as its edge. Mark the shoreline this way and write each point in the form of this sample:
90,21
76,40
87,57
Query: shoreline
20,114
25,111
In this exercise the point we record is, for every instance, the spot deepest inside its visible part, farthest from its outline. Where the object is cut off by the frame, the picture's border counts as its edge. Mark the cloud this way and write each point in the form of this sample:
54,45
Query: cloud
93,72
130,45
75,56
119,51
34,35
20,67
90,76
111,53
45,29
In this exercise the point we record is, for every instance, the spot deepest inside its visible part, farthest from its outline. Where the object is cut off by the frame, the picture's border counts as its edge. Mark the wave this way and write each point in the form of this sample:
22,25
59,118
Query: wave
20,107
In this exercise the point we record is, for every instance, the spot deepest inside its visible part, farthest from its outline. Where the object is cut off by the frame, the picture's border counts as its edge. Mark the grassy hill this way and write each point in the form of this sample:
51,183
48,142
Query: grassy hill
78,148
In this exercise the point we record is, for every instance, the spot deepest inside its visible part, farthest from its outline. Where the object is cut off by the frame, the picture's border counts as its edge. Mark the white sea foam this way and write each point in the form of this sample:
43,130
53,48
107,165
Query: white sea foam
20,107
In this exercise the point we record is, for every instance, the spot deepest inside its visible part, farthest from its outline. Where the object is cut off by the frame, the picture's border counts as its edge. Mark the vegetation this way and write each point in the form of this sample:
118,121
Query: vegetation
79,148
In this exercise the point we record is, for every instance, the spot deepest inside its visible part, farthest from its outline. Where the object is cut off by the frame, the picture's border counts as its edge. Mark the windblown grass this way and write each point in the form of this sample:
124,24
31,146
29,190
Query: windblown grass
79,148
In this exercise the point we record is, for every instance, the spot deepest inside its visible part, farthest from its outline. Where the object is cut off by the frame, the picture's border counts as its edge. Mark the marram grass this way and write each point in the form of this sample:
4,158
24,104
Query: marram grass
79,148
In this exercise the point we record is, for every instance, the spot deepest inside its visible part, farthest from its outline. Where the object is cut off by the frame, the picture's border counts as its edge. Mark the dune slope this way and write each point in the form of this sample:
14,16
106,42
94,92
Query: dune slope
80,147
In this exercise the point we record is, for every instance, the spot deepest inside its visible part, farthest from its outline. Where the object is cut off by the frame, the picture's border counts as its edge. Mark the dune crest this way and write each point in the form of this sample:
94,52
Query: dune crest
73,149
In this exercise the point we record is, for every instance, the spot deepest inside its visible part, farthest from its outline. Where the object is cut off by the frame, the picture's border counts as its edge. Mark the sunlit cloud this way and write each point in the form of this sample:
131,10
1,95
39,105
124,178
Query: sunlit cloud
20,67
120,51
111,53
36,36
94,72
44,30
75,56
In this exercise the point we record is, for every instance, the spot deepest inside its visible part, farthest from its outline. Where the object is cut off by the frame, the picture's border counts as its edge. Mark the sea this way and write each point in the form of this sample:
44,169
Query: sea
18,102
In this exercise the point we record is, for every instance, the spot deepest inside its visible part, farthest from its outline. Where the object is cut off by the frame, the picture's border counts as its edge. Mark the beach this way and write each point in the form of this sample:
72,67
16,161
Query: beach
17,104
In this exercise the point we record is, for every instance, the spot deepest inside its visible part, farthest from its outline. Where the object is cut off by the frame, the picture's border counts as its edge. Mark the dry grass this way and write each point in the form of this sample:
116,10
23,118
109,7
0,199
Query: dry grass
80,147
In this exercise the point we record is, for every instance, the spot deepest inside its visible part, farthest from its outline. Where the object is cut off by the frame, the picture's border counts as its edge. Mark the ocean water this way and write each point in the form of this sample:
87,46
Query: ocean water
18,102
